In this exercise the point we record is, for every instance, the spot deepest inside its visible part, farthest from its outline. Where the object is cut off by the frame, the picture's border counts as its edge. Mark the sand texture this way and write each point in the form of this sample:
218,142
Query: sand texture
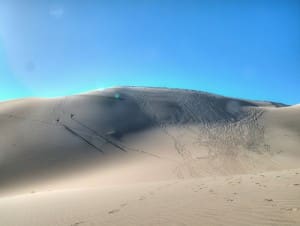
149,156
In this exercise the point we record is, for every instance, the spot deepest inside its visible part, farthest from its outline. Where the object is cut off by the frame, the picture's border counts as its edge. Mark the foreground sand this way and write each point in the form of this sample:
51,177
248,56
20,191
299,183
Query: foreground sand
253,199
147,156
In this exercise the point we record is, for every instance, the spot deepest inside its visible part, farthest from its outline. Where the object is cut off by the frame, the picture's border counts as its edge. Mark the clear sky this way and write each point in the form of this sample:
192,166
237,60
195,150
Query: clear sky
247,49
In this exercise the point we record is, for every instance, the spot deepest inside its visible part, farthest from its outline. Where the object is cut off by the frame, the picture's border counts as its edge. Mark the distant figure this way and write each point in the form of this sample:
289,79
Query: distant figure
72,115
57,120
117,96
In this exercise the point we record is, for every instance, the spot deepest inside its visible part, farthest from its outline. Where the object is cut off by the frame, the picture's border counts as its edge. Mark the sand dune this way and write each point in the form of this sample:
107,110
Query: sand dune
149,156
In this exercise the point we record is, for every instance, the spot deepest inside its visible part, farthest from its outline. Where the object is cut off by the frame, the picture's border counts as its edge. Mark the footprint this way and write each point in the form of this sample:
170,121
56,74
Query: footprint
77,223
114,211
269,200
296,184
229,200
123,204
142,198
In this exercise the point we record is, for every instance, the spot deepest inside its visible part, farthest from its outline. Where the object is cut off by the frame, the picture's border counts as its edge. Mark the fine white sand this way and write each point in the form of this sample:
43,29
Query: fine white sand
149,156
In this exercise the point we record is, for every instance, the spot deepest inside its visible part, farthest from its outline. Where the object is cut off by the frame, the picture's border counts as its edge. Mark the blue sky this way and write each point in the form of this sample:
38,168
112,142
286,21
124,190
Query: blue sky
247,49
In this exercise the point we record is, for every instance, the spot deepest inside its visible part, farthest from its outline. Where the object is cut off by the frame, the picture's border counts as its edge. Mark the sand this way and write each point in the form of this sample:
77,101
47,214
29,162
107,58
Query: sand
149,156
